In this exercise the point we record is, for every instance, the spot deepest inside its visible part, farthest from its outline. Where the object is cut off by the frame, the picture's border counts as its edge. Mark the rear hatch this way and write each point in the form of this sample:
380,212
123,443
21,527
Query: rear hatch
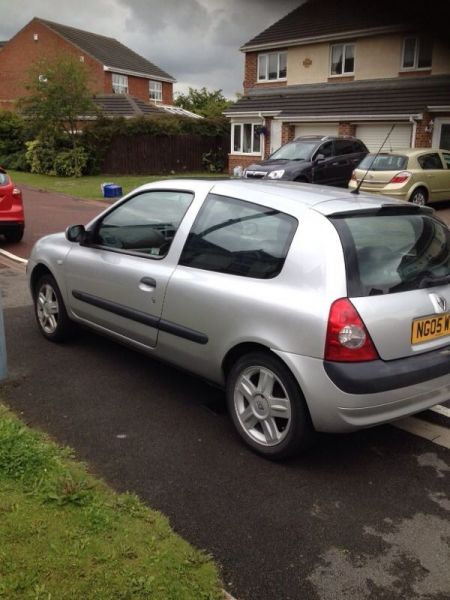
6,188
378,171
398,277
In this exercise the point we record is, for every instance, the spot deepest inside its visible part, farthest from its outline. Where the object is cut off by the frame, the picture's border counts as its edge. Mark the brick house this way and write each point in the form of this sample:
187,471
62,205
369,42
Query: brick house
113,68
332,68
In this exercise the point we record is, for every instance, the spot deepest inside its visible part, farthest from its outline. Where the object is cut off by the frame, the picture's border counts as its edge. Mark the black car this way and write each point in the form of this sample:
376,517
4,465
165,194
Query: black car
326,160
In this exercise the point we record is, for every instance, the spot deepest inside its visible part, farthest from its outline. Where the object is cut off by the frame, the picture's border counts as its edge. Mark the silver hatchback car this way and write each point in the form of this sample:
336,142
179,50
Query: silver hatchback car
316,309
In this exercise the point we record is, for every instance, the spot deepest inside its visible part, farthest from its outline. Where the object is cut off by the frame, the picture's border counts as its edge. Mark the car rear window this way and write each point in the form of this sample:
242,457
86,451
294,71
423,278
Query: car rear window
384,162
4,179
393,253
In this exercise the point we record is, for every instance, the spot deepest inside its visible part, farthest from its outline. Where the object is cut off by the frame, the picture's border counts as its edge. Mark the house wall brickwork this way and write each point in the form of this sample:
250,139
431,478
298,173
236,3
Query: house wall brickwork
287,133
423,137
345,128
19,54
243,160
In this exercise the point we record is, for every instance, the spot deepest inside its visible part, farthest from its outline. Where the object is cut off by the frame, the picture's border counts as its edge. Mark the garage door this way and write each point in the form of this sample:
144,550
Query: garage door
374,135
316,129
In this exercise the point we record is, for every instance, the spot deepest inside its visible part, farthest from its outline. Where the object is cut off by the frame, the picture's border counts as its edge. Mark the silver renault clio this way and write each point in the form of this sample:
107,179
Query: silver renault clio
315,308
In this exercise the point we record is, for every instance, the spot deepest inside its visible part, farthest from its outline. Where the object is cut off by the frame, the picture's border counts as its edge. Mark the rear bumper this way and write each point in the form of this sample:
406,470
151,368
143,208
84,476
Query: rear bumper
397,194
8,225
381,376
363,397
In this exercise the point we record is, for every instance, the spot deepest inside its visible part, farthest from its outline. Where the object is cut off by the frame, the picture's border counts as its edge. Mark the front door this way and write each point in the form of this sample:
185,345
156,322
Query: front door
117,282
325,169
275,135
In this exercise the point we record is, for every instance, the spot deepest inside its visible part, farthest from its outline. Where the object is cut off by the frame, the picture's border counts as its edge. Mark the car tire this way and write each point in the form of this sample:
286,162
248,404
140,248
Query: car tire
14,235
50,311
419,197
267,407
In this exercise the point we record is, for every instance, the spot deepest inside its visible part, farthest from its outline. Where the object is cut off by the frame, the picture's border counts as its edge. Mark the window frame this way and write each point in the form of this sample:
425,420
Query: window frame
344,46
417,39
431,154
92,233
116,87
158,91
241,141
266,56
233,200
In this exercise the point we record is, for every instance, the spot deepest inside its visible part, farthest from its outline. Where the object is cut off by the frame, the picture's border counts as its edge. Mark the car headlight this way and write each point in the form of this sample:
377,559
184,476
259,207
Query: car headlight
276,174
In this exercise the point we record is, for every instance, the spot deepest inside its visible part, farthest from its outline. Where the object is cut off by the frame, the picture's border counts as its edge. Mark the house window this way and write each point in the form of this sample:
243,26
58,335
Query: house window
245,138
155,88
119,83
342,59
272,67
417,53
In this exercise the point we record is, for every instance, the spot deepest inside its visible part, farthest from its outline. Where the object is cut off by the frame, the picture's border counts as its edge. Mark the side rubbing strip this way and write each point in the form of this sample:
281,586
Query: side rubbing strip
141,317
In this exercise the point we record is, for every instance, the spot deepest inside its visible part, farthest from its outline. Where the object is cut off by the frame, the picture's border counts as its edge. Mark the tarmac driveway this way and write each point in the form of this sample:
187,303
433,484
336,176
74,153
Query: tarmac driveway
364,516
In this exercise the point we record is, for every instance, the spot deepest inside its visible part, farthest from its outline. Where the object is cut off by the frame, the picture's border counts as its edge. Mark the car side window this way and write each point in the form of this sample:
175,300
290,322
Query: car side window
238,237
326,150
430,161
358,147
344,147
145,224
446,156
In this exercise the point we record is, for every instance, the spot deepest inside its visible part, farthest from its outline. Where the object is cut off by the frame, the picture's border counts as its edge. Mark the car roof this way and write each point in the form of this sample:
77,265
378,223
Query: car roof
291,197
411,151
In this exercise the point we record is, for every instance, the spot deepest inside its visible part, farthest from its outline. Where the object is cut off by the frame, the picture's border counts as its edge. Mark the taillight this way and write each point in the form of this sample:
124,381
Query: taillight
353,177
401,177
16,192
347,337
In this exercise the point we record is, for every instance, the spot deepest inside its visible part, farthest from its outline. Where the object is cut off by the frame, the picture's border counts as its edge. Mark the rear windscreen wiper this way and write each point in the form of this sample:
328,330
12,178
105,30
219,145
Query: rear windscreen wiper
429,281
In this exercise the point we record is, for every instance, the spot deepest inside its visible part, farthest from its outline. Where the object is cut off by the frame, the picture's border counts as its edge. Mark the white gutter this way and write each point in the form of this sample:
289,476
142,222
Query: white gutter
351,118
323,38
252,113
413,120
138,74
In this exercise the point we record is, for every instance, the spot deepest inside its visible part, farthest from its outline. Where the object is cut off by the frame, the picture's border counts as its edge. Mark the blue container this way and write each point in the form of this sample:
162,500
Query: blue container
112,190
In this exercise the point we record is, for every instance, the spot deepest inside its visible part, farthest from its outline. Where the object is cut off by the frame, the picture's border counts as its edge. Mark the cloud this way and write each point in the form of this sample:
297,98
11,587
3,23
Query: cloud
196,41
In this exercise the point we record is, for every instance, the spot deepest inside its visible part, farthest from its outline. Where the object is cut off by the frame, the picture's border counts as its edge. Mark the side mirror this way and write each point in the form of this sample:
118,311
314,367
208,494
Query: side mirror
76,233
319,158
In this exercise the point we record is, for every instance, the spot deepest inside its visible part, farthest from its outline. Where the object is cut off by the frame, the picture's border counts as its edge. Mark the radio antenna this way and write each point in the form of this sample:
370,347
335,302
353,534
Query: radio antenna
356,190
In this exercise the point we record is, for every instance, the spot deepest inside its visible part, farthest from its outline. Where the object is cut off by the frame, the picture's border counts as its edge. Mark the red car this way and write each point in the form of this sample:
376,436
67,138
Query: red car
12,217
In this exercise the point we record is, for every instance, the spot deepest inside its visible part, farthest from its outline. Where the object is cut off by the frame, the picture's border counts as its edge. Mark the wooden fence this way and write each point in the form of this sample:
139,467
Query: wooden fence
160,154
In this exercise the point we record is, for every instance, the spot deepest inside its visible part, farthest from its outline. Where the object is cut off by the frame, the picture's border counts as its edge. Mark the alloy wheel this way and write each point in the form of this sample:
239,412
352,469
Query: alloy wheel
262,405
47,308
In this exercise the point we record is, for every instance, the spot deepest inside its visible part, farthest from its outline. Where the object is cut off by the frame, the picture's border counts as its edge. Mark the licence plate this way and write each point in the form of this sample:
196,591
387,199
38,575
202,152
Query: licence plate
430,328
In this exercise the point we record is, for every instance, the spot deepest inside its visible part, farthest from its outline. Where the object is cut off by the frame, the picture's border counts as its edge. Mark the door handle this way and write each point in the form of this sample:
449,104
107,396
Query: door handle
147,284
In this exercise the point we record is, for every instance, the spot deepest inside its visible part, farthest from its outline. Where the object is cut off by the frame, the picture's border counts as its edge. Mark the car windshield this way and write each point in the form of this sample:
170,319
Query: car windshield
384,162
296,150
394,252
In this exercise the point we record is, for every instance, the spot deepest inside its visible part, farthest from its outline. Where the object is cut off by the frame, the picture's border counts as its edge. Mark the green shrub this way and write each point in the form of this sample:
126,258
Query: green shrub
214,161
40,156
16,161
71,163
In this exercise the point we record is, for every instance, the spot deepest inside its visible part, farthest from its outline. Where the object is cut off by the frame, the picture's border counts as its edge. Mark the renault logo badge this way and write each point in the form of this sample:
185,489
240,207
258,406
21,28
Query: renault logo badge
439,303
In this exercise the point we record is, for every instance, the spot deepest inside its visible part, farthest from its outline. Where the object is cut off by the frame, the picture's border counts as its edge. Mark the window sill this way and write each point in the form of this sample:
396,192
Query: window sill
341,78
271,80
414,72
235,153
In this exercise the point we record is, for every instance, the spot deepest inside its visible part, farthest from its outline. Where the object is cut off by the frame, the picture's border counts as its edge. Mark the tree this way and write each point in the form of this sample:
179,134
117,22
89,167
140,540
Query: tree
58,95
203,102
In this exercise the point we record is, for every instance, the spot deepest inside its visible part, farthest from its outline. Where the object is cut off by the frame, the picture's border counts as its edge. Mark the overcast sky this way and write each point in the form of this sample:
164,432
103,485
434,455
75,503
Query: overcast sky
196,41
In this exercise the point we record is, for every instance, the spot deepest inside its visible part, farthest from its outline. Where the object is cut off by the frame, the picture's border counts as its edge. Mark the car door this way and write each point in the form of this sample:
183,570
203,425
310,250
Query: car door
434,175
232,252
325,169
116,281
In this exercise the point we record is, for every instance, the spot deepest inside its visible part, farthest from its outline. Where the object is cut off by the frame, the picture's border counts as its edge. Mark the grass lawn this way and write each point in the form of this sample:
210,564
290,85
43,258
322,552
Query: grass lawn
89,186
66,535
